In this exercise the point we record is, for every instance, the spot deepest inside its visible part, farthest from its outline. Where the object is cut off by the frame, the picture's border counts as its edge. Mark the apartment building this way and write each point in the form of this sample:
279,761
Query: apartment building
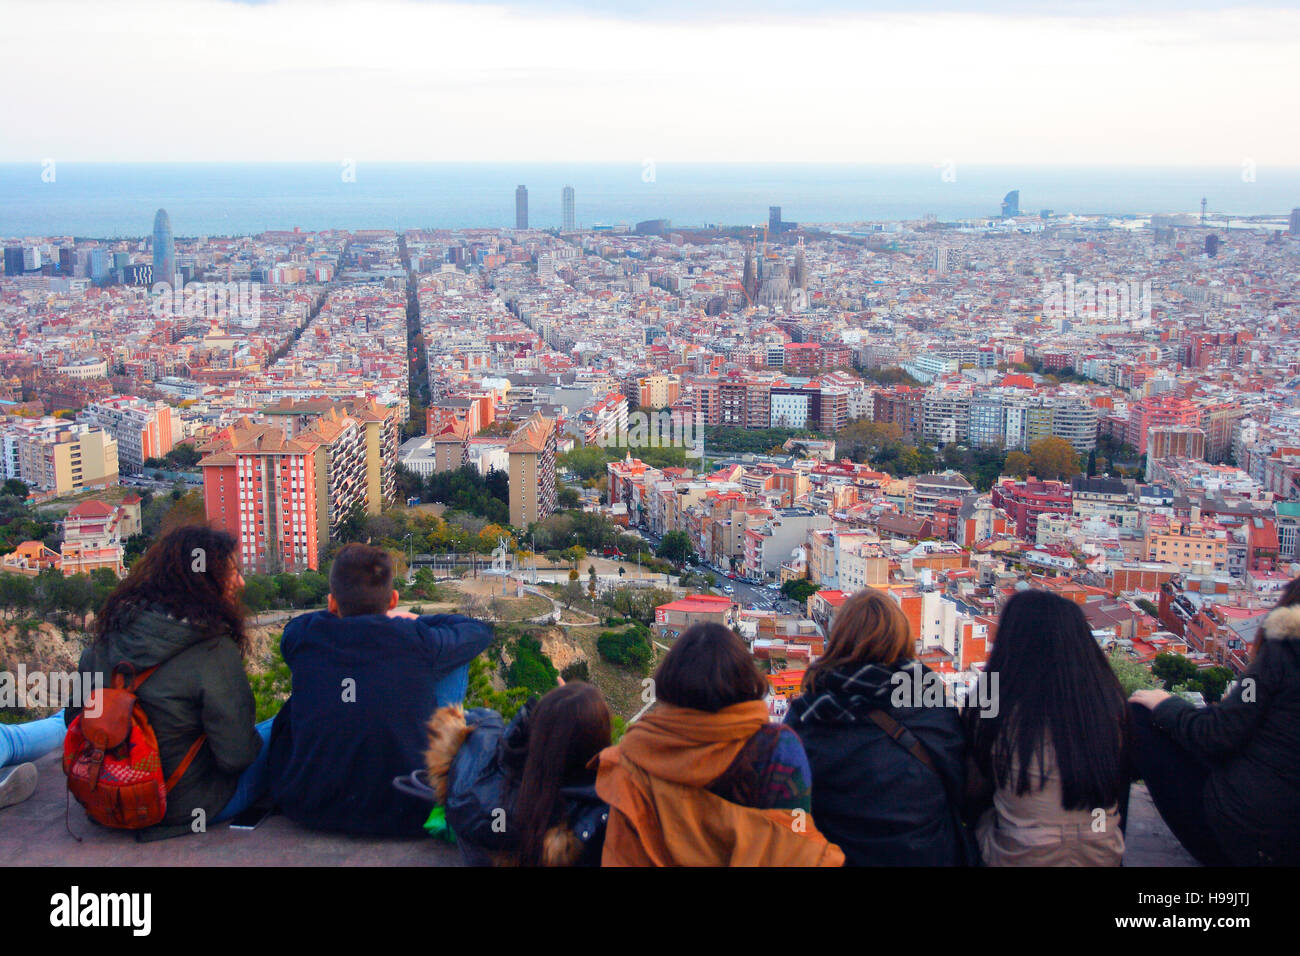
64,458
1192,545
142,429
532,470
271,492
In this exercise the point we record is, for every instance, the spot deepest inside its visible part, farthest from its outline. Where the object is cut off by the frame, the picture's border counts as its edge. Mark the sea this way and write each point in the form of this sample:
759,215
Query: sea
118,200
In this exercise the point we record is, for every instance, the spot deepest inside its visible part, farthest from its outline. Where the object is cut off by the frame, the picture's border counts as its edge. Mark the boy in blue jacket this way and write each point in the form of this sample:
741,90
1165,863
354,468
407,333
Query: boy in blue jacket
366,678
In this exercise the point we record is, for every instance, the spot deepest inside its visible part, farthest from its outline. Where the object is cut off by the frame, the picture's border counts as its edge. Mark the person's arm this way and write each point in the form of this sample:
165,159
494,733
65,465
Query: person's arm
454,639
1218,730
229,711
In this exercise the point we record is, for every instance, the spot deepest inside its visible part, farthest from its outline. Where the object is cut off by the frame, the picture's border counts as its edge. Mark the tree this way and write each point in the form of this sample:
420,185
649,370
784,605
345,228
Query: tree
627,648
1132,676
799,589
481,693
1017,464
531,668
572,592
676,547
13,486
1173,669
1054,458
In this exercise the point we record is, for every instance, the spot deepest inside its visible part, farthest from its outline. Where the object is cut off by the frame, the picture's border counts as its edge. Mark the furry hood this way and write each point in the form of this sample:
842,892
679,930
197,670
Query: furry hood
448,730
1283,624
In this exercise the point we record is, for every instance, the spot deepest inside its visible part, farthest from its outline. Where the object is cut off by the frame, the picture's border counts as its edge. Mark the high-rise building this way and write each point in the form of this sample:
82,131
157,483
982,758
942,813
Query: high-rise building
141,428
97,264
13,260
1295,221
269,491
1011,204
566,204
376,447
941,259
521,207
164,249
774,219
532,471
67,458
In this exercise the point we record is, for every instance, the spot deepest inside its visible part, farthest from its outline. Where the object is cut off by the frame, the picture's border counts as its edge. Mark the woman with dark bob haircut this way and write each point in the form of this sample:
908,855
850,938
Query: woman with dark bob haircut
1054,755
705,778
179,616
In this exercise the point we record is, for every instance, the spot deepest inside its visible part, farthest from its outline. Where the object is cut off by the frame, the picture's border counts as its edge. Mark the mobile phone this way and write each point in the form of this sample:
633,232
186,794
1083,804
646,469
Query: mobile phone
249,819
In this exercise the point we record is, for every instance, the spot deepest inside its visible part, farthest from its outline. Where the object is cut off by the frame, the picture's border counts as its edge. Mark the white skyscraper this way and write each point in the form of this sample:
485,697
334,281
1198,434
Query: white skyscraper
566,202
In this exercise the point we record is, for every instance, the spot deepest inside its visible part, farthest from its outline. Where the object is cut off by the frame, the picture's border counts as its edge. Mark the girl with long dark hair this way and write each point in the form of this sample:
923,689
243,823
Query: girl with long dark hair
524,793
179,613
1226,777
1053,754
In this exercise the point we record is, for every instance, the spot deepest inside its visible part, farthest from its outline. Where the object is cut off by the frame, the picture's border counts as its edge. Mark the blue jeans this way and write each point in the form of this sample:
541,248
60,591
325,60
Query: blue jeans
252,782
450,689
20,743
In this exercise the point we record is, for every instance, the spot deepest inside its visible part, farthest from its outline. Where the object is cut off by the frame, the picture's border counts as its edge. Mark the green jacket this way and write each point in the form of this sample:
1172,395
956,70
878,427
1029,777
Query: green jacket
199,687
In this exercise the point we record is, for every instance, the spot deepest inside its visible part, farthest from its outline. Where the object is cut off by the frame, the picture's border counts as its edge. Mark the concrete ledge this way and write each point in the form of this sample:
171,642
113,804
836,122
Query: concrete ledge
33,834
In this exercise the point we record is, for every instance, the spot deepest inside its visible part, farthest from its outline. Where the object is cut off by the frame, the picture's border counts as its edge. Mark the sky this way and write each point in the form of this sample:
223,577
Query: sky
1196,82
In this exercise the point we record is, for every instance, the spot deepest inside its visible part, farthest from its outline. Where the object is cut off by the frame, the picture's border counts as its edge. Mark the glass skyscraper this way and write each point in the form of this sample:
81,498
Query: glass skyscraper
521,207
164,249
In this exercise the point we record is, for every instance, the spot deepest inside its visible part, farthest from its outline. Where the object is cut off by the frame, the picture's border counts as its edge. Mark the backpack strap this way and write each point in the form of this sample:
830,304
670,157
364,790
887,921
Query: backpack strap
904,738
140,678
185,761
120,682
898,733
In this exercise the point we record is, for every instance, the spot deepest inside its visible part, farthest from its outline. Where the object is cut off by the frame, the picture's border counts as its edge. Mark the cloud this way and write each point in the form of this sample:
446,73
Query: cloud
144,80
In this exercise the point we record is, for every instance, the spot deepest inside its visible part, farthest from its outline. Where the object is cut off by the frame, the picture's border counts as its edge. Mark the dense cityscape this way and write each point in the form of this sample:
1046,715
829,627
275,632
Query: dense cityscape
1108,408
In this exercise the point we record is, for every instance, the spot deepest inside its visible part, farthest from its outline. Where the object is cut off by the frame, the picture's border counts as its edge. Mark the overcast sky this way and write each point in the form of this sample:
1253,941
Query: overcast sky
1196,82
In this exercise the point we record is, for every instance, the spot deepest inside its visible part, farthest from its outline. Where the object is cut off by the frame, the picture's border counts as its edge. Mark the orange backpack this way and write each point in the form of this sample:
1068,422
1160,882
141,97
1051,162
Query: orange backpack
112,762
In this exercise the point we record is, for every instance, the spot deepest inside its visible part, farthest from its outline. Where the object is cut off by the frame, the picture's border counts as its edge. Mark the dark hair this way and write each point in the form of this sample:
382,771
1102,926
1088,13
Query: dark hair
869,628
567,727
709,668
186,573
361,579
1054,686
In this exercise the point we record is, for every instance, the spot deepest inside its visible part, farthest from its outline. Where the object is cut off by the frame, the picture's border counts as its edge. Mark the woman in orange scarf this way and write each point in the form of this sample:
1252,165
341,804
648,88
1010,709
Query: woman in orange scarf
704,778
